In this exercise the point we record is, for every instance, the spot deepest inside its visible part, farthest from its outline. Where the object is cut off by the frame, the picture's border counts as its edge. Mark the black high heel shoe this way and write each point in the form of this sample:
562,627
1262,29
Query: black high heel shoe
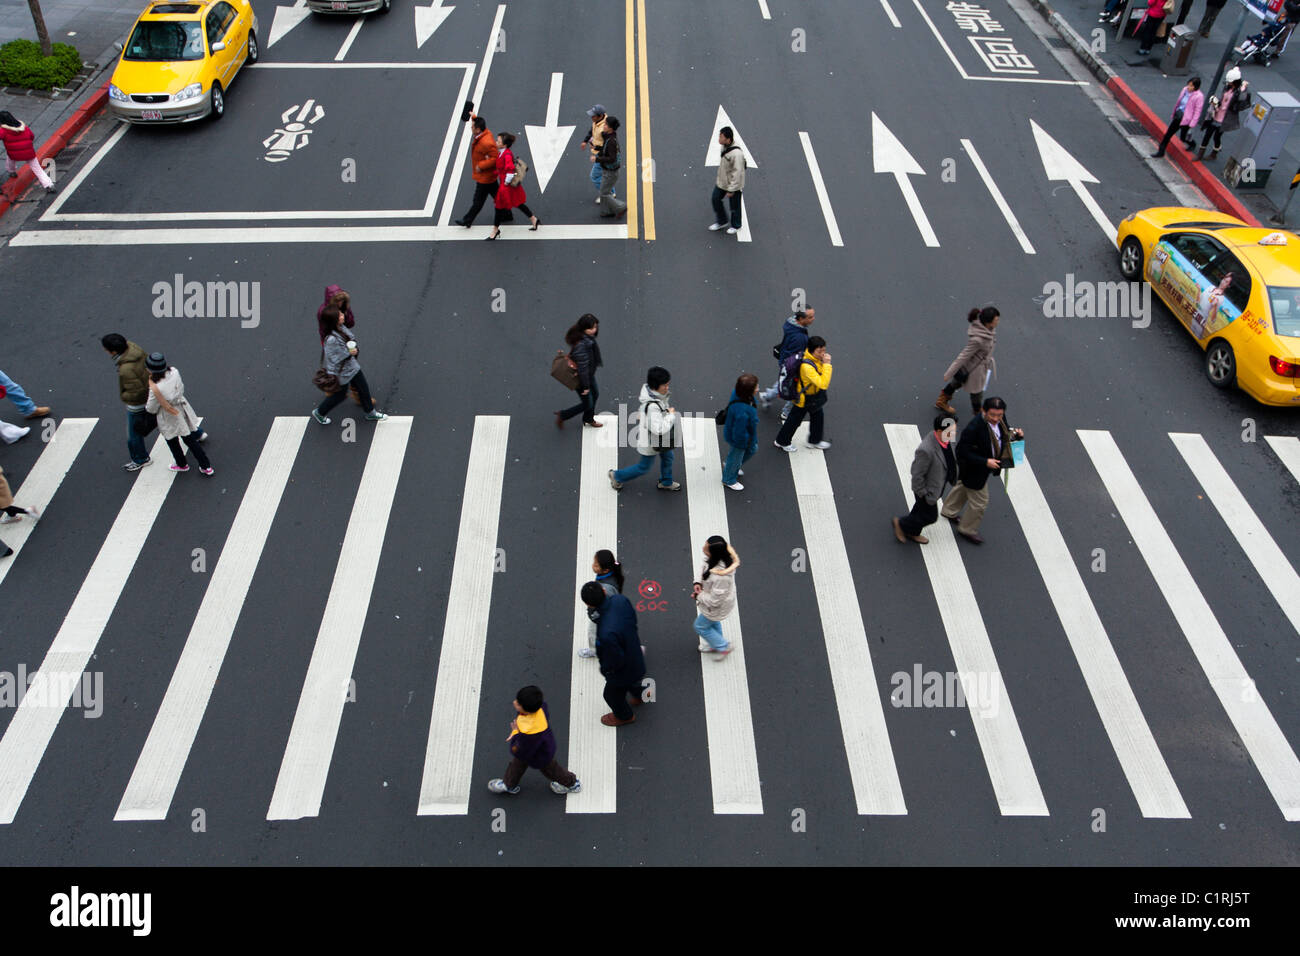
535,225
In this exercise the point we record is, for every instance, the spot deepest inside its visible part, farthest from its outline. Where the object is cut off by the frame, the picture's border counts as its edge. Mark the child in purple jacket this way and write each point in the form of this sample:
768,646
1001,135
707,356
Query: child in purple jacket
532,744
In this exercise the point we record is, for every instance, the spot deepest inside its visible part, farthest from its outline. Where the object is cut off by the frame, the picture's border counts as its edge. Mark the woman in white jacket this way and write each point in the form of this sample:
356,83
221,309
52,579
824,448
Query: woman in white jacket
715,595
176,417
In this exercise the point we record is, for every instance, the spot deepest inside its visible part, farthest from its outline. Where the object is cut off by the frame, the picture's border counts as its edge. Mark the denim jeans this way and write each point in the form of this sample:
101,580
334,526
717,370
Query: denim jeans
711,631
17,395
665,457
720,214
736,457
134,442
336,398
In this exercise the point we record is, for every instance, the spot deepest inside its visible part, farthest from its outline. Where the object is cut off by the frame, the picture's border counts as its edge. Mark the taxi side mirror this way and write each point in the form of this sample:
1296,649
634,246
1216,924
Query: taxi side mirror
218,46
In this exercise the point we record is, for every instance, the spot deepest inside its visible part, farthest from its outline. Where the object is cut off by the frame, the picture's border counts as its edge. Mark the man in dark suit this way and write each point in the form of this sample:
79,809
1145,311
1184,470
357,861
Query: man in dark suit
618,649
983,449
933,469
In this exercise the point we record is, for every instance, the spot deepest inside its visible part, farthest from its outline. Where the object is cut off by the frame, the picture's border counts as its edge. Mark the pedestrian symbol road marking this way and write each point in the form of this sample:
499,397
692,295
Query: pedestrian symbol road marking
295,135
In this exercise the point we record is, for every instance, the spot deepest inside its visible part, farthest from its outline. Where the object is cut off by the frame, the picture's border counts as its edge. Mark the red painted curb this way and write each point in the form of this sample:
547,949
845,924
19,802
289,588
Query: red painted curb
1204,180
54,145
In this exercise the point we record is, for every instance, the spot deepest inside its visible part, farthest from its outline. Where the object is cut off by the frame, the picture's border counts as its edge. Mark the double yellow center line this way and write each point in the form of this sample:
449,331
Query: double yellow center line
641,173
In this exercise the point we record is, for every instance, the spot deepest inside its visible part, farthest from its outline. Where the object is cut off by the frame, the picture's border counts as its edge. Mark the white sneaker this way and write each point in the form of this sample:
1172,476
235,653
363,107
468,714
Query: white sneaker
735,486
706,648
823,445
741,472
597,200
792,447
785,413
586,652
716,226
10,519
732,230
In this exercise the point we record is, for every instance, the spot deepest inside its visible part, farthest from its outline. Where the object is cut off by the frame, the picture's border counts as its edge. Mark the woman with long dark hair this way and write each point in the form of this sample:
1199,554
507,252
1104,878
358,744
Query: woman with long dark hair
974,365
609,575
715,595
581,339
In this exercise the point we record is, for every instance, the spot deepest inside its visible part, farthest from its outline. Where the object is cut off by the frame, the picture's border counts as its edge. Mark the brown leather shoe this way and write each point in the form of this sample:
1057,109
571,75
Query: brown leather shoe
594,424
40,411
943,404
973,537
635,700
919,538
559,420
898,530
609,720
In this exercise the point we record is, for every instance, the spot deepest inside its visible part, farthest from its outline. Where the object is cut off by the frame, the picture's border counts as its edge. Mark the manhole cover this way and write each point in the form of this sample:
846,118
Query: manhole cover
1133,126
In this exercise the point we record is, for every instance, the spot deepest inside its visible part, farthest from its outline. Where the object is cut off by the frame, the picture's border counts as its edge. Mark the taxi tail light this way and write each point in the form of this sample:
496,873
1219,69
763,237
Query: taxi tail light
1287,369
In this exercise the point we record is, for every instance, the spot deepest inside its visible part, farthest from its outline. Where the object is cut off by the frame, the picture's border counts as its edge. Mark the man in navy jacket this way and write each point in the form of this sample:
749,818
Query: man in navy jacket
618,648
983,449
794,340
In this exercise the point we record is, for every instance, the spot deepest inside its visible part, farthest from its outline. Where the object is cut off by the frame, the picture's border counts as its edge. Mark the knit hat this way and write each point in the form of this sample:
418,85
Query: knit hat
156,362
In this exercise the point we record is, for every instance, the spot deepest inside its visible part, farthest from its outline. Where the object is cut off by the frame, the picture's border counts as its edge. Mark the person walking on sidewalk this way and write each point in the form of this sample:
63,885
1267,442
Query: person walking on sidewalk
510,190
730,183
483,163
609,161
1187,113
715,596
1223,113
794,339
20,149
532,744
1212,10
934,467
619,650
974,366
983,449
177,419
656,434
592,143
340,360
18,395
740,430
814,380
1150,24
609,575
581,339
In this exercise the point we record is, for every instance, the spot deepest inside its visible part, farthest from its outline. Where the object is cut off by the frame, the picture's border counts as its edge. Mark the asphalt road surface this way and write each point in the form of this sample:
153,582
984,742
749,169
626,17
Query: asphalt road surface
311,656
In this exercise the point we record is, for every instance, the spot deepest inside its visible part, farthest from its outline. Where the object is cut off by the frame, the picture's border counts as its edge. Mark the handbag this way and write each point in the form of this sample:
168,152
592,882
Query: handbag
521,170
565,370
721,417
327,382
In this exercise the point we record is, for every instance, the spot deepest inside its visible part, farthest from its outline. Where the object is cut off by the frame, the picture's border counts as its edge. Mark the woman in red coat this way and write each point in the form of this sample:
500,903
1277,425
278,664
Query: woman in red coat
19,150
508,197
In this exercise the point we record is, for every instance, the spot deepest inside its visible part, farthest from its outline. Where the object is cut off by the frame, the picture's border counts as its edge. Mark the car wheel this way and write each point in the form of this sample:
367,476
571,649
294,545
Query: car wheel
1130,259
388,5
1220,364
252,47
218,102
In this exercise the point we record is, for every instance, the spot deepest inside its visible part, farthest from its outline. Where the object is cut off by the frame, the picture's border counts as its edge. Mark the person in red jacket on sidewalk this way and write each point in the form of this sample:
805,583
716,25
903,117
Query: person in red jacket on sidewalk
19,149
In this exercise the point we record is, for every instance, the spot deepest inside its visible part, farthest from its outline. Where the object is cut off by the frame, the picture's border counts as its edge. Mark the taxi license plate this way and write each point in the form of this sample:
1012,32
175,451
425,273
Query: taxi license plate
151,114
338,5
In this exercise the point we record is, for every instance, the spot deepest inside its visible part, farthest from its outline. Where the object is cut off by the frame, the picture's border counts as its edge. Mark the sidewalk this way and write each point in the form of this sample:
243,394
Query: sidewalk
1159,92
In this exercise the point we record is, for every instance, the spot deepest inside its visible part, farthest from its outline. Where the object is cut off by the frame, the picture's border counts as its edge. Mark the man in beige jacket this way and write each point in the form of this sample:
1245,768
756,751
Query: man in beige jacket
730,183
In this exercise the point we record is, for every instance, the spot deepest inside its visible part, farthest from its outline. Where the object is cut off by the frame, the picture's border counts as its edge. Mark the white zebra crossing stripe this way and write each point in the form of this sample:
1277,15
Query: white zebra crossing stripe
449,753
1015,784
1254,723
1288,449
1269,561
35,720
300,784
876,786
153,783
38,488
733,761
592,754
1153,786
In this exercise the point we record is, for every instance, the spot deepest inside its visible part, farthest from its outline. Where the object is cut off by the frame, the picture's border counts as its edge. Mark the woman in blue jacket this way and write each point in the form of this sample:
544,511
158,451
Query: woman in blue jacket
740,430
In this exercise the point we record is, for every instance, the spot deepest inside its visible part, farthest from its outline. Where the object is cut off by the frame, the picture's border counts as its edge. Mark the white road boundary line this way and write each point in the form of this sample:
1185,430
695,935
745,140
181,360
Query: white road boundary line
450,201
300,784
1254,723
729,720
38,488
819,185
1269,561
352,35
996,193
453,723
889,12
876,786
360,66
592,753
440,174
1147,773
158,770
52,214
37,715
1015,784
303,234
1287,448
762,7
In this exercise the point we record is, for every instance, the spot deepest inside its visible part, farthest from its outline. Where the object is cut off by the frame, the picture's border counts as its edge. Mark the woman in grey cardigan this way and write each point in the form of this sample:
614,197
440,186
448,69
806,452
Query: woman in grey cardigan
715,595
974,365
341,360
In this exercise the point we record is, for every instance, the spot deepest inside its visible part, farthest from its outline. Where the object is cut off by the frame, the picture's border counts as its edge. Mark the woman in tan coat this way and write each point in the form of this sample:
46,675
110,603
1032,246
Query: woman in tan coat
11,511
974,366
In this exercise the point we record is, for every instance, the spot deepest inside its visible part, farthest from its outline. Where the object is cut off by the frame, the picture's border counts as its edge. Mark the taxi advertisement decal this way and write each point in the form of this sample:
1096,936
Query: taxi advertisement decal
1198,304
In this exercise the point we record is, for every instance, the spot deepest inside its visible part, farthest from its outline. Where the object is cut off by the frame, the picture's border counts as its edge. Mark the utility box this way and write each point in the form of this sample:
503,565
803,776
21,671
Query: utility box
1265,126
1179,46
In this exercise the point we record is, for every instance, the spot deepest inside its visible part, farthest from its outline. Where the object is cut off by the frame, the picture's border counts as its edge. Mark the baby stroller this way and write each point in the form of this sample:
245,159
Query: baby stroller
1267,45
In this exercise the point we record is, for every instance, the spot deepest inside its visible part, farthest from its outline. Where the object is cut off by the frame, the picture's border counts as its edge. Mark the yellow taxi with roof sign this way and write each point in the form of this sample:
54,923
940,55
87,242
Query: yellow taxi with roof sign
1234,287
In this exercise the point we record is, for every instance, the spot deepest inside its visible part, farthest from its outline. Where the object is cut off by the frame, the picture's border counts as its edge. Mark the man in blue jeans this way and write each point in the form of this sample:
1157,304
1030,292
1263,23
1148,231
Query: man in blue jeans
656,434
26,407
133,390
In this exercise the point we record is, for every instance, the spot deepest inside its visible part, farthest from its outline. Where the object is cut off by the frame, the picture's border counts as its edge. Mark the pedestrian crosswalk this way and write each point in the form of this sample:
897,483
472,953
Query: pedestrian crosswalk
736,762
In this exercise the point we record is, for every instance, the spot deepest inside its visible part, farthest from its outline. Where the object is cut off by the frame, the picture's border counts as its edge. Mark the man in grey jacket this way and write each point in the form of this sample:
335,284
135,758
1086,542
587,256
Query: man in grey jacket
730,183
934,467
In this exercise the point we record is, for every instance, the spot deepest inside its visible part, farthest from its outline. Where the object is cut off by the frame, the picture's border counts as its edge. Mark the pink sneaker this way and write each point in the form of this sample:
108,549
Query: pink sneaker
207,471
179,467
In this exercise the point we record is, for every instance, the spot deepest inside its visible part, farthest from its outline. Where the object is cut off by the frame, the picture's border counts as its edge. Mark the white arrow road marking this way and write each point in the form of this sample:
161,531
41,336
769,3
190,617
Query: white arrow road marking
1059,164
285,19
888,155
547,143
713,156
428,19
890,12
1007,214
352,35
742,234
818,184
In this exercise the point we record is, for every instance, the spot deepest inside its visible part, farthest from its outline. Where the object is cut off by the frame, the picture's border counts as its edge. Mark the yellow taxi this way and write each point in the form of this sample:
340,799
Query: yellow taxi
1234,287
179,60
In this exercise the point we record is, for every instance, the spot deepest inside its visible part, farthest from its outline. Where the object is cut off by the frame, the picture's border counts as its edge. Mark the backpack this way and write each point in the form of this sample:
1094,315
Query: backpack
788,385
721,417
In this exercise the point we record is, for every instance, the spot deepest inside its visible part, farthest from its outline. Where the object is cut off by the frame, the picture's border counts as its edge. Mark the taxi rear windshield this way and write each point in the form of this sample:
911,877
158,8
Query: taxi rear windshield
165,41
1285,303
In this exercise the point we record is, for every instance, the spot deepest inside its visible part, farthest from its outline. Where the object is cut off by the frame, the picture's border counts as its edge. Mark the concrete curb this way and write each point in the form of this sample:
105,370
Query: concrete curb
65,134
1215,191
